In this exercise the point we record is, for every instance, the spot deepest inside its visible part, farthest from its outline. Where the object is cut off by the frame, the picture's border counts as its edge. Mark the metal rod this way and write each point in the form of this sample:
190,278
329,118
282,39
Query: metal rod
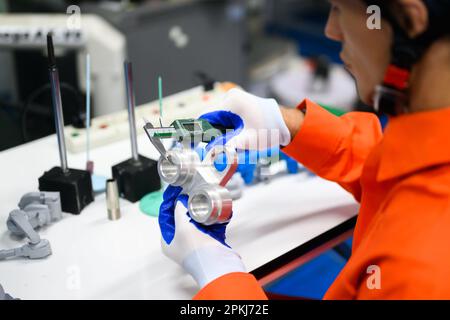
88,106
160,95
57,103
131,106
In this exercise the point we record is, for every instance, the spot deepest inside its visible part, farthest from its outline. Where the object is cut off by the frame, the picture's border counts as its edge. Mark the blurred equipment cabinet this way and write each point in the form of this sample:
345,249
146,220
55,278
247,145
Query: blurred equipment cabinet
180,41
303,21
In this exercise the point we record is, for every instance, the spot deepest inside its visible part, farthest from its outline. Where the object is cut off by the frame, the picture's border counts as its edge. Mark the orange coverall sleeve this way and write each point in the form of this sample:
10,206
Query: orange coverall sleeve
404,253
233,286
334,148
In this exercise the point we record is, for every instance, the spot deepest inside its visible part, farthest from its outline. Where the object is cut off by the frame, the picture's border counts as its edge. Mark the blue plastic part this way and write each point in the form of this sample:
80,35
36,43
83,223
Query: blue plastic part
292,164
248,160
247,172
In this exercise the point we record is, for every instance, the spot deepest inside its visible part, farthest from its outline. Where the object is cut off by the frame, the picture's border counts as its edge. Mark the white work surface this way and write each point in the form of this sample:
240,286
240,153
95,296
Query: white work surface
94,258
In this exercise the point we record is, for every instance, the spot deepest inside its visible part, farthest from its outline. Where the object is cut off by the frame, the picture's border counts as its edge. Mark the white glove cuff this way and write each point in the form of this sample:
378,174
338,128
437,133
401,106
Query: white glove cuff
211,262
276,118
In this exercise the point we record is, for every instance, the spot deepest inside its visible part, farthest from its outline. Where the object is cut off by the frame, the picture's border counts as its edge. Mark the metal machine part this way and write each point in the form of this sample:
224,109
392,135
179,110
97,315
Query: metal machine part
112,200
36,209
57,104
131,108
209,201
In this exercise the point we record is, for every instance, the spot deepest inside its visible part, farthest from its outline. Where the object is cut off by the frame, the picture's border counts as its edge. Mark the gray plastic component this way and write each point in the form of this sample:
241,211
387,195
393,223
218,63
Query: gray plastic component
50,199
41,208
36,209
39,250
19,224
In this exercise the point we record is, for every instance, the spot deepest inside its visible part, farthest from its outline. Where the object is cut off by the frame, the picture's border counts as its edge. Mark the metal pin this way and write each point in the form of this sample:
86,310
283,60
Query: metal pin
89,163
160,95
131,107
112,200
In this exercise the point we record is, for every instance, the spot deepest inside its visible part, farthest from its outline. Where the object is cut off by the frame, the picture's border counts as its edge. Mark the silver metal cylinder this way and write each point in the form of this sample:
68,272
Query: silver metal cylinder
179,168
131,108
59,118
210,205
112,199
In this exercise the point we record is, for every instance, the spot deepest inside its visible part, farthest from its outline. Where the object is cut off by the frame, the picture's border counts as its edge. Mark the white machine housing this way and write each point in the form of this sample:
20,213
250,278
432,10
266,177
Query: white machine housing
105,45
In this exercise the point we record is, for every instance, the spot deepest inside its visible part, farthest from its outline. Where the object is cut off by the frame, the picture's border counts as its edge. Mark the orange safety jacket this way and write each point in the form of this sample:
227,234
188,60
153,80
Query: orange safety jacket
402,181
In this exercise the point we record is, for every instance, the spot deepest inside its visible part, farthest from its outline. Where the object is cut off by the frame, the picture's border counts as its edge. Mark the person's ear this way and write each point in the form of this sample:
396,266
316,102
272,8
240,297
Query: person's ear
412,15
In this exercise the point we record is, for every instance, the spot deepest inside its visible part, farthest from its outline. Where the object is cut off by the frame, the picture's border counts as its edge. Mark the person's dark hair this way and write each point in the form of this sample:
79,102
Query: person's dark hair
438,12
392,96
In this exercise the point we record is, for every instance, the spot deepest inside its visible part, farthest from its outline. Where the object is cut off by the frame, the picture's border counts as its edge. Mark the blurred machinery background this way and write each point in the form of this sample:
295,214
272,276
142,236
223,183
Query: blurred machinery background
262,45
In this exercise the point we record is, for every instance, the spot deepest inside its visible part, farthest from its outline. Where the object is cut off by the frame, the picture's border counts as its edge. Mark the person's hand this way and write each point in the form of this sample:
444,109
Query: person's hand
200,250
263,123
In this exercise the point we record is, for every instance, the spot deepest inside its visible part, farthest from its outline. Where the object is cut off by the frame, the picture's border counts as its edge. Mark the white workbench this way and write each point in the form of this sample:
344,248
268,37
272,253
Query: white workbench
94,258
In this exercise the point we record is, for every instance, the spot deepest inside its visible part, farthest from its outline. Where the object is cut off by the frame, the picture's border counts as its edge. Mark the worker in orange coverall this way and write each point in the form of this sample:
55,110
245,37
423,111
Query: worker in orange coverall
401,176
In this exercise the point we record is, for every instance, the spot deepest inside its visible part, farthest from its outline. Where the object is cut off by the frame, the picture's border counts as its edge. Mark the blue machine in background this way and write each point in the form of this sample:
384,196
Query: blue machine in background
303,21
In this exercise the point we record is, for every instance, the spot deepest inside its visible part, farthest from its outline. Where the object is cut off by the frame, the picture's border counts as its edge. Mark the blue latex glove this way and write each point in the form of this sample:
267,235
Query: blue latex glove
167,220
225,119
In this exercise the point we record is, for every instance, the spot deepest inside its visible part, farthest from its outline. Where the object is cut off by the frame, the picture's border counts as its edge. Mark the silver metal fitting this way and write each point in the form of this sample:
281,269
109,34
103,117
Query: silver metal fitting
179,168
210,205
112,200
209,201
